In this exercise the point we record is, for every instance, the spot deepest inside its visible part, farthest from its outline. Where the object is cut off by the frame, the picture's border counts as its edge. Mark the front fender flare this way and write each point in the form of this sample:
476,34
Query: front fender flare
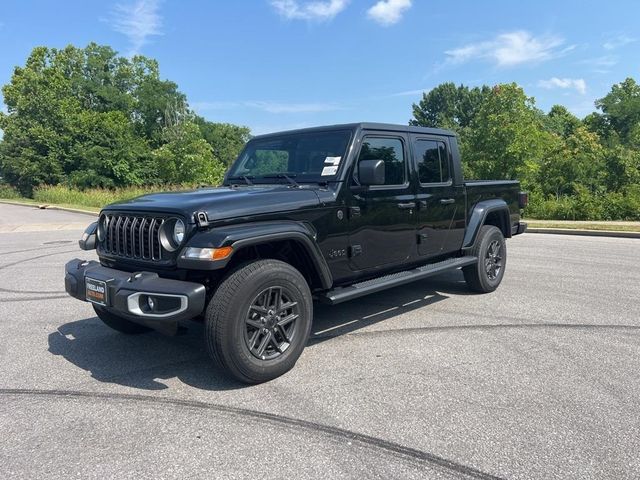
248,234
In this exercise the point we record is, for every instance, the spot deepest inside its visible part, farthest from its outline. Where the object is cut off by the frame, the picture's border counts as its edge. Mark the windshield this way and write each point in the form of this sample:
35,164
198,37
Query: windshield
313,157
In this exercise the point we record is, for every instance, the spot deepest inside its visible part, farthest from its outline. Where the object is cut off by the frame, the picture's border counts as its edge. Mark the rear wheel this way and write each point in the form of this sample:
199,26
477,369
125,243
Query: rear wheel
120,324
485,275
258,321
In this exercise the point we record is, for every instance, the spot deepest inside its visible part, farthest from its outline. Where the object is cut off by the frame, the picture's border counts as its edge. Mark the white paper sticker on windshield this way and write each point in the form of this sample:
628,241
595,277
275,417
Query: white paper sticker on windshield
332,160
332,170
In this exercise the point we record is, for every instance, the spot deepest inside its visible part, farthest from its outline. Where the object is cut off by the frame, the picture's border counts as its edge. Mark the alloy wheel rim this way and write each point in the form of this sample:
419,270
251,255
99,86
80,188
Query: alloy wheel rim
493,260
271,323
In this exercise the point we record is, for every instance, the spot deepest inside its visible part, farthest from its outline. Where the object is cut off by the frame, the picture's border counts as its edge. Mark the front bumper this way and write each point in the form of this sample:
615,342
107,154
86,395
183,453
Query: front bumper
128,294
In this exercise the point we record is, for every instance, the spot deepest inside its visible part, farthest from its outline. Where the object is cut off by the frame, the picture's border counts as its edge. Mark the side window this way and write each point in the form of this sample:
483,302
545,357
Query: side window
389,150
432,161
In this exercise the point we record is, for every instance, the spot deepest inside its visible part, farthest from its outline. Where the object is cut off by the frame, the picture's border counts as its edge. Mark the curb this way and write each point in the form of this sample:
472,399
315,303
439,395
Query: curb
586,233
49,207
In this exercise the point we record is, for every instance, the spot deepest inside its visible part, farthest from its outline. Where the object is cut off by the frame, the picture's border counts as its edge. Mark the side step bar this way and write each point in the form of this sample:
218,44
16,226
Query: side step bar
342,294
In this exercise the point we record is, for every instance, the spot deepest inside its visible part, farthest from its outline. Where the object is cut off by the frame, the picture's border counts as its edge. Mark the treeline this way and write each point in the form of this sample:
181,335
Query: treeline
578,169
87,117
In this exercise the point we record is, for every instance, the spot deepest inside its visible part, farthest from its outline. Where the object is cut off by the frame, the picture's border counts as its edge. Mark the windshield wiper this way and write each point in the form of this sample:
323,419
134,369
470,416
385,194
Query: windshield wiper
286,176
247,179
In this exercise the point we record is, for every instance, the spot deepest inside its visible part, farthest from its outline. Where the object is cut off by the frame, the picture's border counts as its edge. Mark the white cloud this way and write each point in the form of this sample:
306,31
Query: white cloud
318,10
510,49
137,21
269,107
410,93
388,12
575,83
618,42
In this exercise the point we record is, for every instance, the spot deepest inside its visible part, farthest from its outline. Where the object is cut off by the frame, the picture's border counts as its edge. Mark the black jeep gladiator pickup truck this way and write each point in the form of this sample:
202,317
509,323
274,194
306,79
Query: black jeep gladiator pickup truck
327,213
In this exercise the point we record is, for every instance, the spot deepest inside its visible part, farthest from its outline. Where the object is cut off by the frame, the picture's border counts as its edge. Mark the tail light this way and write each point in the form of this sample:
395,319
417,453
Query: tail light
523,199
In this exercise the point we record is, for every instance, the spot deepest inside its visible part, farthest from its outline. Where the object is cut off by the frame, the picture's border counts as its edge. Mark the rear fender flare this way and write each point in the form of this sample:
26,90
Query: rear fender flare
478,217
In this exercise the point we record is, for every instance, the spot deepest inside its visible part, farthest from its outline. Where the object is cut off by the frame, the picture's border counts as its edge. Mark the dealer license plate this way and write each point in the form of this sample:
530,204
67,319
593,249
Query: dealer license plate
95,291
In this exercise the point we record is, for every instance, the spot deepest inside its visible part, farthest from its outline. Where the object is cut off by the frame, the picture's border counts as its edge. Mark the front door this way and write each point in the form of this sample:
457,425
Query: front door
441,203
382,218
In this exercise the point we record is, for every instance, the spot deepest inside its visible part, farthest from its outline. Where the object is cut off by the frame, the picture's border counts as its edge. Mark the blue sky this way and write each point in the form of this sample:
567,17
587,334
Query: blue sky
280,64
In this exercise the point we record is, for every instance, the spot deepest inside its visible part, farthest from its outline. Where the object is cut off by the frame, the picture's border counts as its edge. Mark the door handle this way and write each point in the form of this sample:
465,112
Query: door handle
447,201
406,206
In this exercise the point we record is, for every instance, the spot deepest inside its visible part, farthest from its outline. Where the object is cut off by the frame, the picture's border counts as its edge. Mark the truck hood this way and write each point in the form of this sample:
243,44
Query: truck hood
224,202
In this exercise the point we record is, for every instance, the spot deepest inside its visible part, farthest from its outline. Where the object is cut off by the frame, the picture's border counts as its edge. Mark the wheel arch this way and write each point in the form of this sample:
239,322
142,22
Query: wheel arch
487,212
289,241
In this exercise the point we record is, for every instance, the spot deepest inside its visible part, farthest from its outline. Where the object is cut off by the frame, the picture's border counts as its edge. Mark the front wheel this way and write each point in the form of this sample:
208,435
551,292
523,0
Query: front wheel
485,275
259,320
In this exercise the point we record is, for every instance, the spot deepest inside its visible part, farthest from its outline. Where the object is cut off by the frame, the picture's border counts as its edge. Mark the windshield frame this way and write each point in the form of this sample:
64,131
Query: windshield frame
272,177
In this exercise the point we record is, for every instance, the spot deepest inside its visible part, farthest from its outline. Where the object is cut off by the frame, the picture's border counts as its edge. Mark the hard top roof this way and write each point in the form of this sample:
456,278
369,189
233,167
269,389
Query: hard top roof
365,126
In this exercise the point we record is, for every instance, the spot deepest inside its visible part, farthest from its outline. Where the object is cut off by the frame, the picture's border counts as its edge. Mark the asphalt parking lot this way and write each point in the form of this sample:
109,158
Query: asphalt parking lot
540,379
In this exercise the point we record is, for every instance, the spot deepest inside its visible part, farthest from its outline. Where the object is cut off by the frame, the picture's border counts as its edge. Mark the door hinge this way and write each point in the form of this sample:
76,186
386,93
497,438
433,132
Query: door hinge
354,212
355,250
202,219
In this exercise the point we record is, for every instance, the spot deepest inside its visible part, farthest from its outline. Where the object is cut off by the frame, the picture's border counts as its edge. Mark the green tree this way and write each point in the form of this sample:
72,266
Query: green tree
226,140
571,164
621,110
88,117
186,157
106,152
448,106
507,139
561,121
622,168
39,102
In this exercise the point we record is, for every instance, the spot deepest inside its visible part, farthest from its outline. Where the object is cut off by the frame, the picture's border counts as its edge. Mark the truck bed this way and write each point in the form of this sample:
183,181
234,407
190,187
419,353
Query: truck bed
508,190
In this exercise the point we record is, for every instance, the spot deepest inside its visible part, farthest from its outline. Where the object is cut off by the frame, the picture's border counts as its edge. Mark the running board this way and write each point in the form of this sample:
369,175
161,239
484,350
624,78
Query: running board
342,294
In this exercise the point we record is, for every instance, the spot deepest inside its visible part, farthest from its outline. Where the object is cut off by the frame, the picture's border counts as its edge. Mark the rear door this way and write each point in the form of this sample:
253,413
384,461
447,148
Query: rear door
382,218
441,203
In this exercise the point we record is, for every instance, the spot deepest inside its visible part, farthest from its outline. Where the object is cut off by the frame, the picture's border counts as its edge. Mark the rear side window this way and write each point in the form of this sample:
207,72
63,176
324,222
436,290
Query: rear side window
432,161
391,152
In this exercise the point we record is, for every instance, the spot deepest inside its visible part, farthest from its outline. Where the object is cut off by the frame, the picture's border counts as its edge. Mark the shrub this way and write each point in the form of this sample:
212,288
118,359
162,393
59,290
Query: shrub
8,192
94,197
585,205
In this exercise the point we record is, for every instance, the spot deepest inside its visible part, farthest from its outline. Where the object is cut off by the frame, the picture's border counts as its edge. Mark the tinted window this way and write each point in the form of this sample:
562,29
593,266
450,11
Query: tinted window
432,161
389,150
270,161
311,156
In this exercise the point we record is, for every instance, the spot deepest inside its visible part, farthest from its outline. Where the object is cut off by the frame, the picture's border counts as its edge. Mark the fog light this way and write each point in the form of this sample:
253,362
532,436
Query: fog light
151,303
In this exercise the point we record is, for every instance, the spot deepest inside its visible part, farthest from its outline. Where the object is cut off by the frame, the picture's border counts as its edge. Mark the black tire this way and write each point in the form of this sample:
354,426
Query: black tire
491,249
242,315
120,324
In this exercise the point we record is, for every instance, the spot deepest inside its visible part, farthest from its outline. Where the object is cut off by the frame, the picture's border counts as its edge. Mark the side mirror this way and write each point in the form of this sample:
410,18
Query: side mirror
371,172
88,240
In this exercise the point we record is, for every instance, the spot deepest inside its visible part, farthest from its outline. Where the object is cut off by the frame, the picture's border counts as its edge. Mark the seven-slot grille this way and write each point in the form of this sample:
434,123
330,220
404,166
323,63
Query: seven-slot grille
133,236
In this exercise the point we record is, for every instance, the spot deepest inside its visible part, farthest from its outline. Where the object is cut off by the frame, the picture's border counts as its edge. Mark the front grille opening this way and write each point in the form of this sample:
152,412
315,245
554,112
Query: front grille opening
133,236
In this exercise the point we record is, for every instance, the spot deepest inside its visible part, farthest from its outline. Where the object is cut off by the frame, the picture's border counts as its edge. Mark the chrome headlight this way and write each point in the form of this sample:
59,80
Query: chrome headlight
172,234
178,232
